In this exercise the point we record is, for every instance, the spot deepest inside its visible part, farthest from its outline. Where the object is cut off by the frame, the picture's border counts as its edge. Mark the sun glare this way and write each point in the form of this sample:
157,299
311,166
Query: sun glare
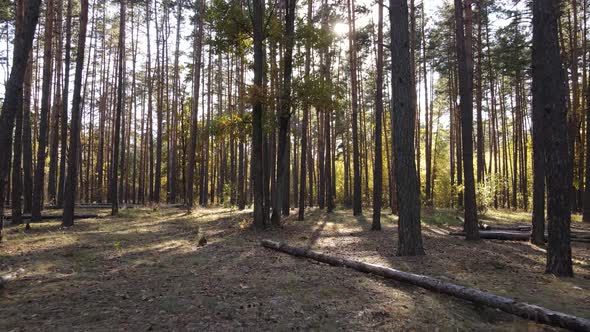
341,28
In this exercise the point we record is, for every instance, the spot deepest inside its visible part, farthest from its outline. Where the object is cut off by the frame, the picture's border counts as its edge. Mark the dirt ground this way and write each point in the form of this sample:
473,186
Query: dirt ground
144,270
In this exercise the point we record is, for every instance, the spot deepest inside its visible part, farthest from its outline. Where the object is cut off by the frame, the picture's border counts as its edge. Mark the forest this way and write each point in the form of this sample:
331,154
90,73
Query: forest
295,165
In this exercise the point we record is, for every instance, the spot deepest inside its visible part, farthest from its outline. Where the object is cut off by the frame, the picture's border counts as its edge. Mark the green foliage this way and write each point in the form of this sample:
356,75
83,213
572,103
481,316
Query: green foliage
228,190
6,11
320,93
512,50
231,125
440,217
232,26
484,193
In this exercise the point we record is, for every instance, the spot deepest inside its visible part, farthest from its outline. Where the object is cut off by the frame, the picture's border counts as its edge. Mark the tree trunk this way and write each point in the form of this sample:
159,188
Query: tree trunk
464,54
257,110
18,136
44,116
195,107
14,89
378,166
305,124
26,139
73,162
402,118
119,111
548,83
64,110
284,114
357,206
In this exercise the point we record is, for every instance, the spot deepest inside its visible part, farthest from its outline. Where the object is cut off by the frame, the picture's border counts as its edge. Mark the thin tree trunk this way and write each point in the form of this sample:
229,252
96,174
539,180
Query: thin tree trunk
73,162
284,114
257,110
120,107
378,167
357,199
44,116
464,52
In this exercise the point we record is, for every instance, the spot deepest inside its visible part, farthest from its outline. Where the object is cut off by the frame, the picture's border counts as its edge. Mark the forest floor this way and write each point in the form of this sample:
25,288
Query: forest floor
144,270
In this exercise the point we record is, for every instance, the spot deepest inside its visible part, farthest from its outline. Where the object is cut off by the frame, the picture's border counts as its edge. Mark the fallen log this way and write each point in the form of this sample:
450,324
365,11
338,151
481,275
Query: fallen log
56,216
516,228
528,311
519,228
499,235
9,277
516,236
94,206
581,235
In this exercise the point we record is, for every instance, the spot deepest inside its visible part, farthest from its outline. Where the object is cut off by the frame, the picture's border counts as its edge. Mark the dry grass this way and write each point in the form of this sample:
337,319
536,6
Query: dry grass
144,270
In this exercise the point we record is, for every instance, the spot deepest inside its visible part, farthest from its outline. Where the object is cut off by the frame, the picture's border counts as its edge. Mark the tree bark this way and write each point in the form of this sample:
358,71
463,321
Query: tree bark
64,110
17,178
73,162
402,118
284,114
463,31
195,106
357,205
44,116
257,110
378,165
118,114
549,83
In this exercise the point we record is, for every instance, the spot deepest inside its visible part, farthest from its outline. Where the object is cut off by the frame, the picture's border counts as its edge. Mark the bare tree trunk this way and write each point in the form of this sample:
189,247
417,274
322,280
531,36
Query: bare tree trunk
195,107
17,178
402,118
120,107
549,95
284,114
73,162
464,53
21,52
378,167
44,117
357,199
257,110
64,110
305,124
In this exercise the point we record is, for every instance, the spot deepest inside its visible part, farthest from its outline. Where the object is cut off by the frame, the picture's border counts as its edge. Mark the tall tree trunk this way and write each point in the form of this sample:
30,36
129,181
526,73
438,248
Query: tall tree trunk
119,111
257,110
550,96
73,162
378,166
465,60
44,116
357,199
402,118
480,158
27,139
56,108
284,114
305,124
14,88
195,107
64,110
17,178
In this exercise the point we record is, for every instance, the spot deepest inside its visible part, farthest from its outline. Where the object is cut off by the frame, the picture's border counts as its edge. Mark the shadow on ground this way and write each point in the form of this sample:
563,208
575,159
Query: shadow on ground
145,270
